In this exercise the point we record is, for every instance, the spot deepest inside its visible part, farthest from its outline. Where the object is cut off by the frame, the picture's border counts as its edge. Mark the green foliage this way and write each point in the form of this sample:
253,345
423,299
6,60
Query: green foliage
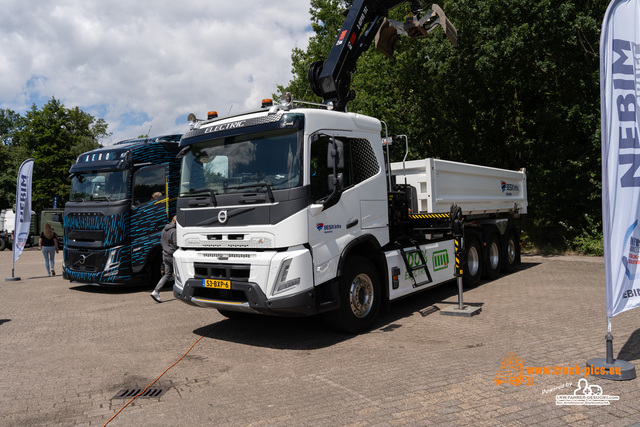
54,137
521,90
590,239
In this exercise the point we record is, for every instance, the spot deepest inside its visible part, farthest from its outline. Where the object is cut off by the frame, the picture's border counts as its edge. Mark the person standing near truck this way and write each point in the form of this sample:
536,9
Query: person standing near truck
48,243
169,246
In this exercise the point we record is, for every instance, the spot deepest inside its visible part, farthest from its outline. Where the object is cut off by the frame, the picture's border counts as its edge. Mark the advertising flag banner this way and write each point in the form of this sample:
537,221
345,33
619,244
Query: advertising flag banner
23,208
620,102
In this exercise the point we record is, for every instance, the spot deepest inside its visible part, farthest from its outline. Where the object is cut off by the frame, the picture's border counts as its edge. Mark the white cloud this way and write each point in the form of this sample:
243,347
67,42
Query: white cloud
148,63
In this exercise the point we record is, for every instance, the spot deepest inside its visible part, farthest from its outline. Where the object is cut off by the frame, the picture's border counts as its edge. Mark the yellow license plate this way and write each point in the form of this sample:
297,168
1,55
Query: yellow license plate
216,284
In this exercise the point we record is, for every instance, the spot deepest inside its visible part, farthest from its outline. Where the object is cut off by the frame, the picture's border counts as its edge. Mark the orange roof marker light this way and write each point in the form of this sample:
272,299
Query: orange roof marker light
212,115
267,102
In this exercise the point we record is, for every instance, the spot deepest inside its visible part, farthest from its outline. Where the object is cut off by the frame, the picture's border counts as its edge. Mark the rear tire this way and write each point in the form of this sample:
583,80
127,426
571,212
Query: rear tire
472,261
3,244
493,261
360,295
511,252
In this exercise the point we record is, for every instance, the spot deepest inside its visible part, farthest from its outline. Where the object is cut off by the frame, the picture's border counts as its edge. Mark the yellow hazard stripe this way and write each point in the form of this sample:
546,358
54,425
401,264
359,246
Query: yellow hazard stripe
429,216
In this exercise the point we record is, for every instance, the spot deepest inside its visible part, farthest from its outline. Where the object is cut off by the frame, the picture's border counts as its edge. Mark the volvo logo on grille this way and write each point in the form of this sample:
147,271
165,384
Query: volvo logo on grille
82,259
222,216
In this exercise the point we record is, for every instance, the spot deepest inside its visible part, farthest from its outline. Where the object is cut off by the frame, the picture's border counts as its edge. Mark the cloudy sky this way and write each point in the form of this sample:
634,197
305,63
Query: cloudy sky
148,63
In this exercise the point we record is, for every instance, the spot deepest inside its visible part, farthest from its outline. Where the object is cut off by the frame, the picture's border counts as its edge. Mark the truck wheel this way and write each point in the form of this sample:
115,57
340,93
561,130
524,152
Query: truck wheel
359,291
472,261
511,249
3,245
493,261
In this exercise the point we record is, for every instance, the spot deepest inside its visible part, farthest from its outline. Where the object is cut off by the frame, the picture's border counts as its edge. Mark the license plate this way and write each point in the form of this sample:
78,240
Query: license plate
216,284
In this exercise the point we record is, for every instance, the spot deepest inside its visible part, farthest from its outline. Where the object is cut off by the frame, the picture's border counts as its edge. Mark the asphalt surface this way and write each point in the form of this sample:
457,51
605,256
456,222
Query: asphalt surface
67,349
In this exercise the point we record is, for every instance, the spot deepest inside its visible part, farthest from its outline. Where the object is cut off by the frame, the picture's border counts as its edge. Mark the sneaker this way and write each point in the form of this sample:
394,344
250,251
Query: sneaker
156,296
53,272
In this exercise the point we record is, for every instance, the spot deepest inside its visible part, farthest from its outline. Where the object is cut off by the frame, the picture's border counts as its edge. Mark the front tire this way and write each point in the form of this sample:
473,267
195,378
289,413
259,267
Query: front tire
360,295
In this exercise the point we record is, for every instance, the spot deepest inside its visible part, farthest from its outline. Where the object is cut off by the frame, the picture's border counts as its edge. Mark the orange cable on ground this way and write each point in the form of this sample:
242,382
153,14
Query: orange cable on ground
160,376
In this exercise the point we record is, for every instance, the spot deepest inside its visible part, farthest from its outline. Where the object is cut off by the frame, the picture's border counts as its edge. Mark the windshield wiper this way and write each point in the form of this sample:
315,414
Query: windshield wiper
259,184
211,192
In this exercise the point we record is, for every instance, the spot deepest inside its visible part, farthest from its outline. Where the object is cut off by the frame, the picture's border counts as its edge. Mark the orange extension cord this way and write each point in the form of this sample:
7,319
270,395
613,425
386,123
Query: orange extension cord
160,376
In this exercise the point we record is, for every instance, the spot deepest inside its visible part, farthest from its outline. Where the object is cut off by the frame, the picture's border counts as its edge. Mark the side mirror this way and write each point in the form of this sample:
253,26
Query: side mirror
335,155
335,182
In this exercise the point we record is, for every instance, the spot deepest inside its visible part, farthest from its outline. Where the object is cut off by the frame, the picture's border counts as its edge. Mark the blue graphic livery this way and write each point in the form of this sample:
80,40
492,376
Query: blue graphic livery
121,198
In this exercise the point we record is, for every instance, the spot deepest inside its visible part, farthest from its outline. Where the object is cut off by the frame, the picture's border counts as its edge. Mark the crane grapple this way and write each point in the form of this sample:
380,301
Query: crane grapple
367,20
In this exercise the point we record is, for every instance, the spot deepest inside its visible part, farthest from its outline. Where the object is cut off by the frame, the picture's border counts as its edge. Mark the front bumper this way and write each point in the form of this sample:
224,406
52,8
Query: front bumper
247,297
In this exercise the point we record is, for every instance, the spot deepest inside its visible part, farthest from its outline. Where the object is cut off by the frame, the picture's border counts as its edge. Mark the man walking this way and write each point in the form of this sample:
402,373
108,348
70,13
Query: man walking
169,246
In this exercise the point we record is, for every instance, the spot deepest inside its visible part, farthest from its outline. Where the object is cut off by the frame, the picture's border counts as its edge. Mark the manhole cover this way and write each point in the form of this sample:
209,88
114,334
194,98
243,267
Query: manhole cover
150,393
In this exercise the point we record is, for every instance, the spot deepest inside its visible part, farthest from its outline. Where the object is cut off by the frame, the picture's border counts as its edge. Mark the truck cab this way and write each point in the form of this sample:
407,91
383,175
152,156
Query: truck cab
263,210
121,197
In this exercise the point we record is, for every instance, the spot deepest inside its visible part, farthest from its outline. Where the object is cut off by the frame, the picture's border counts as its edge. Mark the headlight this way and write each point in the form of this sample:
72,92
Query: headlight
282,284
176,272
111,263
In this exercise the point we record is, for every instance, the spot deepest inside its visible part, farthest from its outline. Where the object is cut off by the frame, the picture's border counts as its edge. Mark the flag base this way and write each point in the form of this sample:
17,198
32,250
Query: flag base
627,370
465,311
12,279
610,368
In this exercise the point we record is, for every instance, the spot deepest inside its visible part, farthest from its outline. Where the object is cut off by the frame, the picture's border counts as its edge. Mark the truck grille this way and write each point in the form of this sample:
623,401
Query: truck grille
80,260
220,294
86,236
233,272
237,272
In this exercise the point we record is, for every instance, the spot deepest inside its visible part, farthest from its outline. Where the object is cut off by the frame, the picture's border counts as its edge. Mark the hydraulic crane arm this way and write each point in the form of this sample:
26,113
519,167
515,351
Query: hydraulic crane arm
366,21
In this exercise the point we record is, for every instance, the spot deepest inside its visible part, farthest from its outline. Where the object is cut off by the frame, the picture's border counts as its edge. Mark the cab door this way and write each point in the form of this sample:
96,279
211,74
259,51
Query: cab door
149,213
339,165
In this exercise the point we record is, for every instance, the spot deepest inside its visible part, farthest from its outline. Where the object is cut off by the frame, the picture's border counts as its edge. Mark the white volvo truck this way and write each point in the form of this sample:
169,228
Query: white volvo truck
297,211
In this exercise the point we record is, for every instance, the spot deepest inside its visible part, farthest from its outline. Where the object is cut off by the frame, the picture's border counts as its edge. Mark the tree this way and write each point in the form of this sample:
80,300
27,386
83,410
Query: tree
10,122
54,136
521,89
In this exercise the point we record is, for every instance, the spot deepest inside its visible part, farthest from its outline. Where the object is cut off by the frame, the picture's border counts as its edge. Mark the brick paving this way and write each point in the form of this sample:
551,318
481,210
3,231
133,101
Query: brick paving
67,349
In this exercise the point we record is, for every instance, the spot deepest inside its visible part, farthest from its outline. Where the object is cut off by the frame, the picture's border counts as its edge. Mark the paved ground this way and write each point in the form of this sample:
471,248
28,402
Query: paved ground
66,350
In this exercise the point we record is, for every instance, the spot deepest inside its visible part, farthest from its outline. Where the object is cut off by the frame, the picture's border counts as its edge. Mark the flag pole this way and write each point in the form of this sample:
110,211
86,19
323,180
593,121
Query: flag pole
13,278
609,368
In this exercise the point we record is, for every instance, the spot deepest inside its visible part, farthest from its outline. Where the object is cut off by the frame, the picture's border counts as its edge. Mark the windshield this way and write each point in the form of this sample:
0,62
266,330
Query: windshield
259,162
102,185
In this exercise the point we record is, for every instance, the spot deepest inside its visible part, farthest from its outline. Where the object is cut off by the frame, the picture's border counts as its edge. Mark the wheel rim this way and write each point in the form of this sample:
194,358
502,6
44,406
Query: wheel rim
361,295
511,251
473,261
494,256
